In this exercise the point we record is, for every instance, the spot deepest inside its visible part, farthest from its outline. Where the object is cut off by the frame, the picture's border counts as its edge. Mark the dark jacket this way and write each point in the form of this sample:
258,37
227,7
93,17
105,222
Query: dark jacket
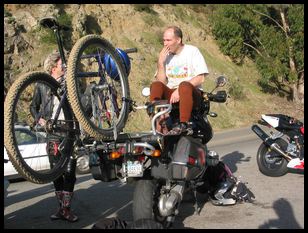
42,102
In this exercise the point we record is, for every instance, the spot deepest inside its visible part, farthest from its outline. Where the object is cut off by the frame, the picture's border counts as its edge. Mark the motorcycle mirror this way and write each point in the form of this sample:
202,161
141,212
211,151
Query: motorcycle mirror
221,81
146,91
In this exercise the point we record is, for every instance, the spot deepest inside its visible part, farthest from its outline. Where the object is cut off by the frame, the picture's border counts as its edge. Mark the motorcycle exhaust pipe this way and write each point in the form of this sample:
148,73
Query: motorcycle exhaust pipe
168,202
269,142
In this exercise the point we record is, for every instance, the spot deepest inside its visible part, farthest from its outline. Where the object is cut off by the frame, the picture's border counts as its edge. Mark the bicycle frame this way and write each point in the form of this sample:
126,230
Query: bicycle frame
96,90
56,30
100,73
30,100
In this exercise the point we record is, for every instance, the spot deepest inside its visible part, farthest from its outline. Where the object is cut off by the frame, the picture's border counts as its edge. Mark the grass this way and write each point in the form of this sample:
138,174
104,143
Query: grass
152,20
247,100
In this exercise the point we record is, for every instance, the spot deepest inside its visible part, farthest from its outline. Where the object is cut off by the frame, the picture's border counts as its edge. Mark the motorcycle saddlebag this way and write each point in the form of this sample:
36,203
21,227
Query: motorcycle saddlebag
188,159
104,170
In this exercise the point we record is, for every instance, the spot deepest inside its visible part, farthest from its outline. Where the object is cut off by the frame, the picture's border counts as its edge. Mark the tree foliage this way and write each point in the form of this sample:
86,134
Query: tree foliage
271,35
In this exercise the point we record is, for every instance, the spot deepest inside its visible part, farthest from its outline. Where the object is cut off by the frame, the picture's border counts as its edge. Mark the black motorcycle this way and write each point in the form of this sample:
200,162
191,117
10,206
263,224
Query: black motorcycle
280,147
163,167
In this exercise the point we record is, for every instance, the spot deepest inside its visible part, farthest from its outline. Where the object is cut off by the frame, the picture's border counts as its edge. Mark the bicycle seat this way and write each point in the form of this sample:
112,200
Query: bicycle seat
52,23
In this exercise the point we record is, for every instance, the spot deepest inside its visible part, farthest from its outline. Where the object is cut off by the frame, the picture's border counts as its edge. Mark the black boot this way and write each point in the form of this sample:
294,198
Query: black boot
66,212
57,215
181,128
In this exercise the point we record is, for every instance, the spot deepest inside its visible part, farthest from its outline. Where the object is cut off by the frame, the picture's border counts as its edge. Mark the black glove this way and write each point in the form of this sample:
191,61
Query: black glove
242,193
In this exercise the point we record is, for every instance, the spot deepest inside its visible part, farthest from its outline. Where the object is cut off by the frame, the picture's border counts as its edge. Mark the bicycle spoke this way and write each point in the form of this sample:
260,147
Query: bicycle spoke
96,86
30,126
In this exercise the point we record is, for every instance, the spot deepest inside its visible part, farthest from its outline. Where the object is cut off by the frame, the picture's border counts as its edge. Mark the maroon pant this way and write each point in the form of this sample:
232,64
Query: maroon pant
190,97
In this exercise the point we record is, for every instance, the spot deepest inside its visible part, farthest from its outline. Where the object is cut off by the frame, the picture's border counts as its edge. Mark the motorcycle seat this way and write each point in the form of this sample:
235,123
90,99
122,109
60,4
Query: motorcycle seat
288,123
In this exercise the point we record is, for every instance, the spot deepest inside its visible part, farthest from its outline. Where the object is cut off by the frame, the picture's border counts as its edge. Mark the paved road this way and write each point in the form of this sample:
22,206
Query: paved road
279,201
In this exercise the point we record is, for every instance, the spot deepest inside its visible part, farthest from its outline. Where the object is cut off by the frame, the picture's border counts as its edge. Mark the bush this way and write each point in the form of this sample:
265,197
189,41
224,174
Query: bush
236,90
144,7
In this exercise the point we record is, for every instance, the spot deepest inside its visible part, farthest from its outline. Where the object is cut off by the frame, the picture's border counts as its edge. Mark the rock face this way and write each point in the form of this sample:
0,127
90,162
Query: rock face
24,40
26,45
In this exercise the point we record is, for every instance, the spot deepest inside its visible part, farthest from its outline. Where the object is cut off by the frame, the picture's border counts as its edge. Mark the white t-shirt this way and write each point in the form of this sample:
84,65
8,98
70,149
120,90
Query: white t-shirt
184,66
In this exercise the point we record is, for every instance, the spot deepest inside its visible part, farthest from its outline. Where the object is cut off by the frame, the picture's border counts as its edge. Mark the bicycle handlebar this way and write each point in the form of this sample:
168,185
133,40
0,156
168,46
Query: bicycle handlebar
131,50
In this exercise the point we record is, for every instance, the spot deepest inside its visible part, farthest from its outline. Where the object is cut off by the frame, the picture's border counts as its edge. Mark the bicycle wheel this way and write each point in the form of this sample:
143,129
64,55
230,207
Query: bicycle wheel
25,140
99,95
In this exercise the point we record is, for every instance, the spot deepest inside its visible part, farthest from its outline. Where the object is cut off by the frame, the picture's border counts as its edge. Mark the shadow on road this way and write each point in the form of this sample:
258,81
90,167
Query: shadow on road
46,188
232,159
187,209
286,218
89,204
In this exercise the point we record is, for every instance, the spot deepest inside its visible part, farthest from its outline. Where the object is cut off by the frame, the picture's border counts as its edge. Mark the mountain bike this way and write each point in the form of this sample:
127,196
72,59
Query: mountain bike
101,88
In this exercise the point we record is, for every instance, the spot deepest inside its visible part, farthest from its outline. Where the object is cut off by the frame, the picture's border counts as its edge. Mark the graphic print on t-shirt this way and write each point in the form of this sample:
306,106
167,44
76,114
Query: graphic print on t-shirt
179,71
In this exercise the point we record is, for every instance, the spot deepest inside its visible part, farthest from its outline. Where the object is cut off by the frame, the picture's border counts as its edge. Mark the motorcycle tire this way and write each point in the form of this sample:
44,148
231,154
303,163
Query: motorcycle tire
112,104
17,115
145,201
272,168
82,166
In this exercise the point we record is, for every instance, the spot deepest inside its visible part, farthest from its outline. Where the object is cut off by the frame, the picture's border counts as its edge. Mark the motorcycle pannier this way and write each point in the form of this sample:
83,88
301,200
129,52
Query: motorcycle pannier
104,170
188,160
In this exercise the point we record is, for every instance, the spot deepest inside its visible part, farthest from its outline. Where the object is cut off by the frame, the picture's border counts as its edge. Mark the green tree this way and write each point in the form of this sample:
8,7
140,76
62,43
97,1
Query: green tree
271,35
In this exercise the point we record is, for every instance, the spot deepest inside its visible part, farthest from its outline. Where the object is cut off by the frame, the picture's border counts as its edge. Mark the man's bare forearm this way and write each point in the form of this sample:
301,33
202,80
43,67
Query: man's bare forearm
198,80
161,74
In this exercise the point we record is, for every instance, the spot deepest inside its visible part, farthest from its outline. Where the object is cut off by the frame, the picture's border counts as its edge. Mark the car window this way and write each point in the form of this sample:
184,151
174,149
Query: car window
25,137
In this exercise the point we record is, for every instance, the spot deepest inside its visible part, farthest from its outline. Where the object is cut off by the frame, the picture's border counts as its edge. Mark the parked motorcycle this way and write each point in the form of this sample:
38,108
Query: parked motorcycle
163,167
278,148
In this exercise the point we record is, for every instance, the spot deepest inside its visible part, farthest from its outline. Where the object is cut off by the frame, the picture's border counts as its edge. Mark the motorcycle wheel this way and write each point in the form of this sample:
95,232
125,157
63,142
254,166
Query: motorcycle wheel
25,144
273,167
82,166
145,201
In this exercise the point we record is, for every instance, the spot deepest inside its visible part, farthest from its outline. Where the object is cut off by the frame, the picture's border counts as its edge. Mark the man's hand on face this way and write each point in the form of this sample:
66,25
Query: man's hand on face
163,55
175,97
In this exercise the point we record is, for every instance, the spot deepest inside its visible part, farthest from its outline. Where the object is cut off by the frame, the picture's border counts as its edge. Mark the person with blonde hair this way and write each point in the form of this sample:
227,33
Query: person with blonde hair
64,185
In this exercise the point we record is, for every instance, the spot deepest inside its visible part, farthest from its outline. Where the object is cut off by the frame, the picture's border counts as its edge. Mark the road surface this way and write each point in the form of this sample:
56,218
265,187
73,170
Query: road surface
279,201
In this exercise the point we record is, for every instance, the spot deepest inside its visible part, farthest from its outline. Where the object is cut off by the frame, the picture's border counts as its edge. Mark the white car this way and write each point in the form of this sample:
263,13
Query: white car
33,149
32,146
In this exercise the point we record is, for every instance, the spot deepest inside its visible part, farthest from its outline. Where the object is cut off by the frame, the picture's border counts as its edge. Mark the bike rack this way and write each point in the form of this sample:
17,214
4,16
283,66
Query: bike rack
169,108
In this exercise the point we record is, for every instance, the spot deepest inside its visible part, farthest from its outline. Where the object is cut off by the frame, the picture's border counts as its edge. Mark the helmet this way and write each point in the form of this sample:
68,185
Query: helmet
111,68
222,194
212,158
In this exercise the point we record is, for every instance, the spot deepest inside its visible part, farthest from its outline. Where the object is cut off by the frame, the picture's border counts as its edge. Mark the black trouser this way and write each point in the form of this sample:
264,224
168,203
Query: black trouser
66,181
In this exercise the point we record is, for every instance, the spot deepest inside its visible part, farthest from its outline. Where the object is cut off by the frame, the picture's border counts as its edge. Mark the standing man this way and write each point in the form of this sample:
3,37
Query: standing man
64,185
181,70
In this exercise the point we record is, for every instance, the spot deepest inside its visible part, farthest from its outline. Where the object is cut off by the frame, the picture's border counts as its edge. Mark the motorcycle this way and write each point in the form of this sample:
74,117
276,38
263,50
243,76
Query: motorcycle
278,148
163,167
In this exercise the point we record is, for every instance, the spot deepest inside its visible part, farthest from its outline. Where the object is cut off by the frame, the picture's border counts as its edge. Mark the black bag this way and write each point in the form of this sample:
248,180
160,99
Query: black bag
212,177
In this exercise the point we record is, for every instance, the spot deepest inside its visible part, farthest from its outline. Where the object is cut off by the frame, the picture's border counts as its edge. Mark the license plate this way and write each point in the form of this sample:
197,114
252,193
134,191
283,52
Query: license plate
133,169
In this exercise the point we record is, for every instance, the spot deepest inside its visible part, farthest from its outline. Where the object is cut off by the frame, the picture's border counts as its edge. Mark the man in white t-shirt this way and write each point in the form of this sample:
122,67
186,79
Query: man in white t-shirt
181,70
